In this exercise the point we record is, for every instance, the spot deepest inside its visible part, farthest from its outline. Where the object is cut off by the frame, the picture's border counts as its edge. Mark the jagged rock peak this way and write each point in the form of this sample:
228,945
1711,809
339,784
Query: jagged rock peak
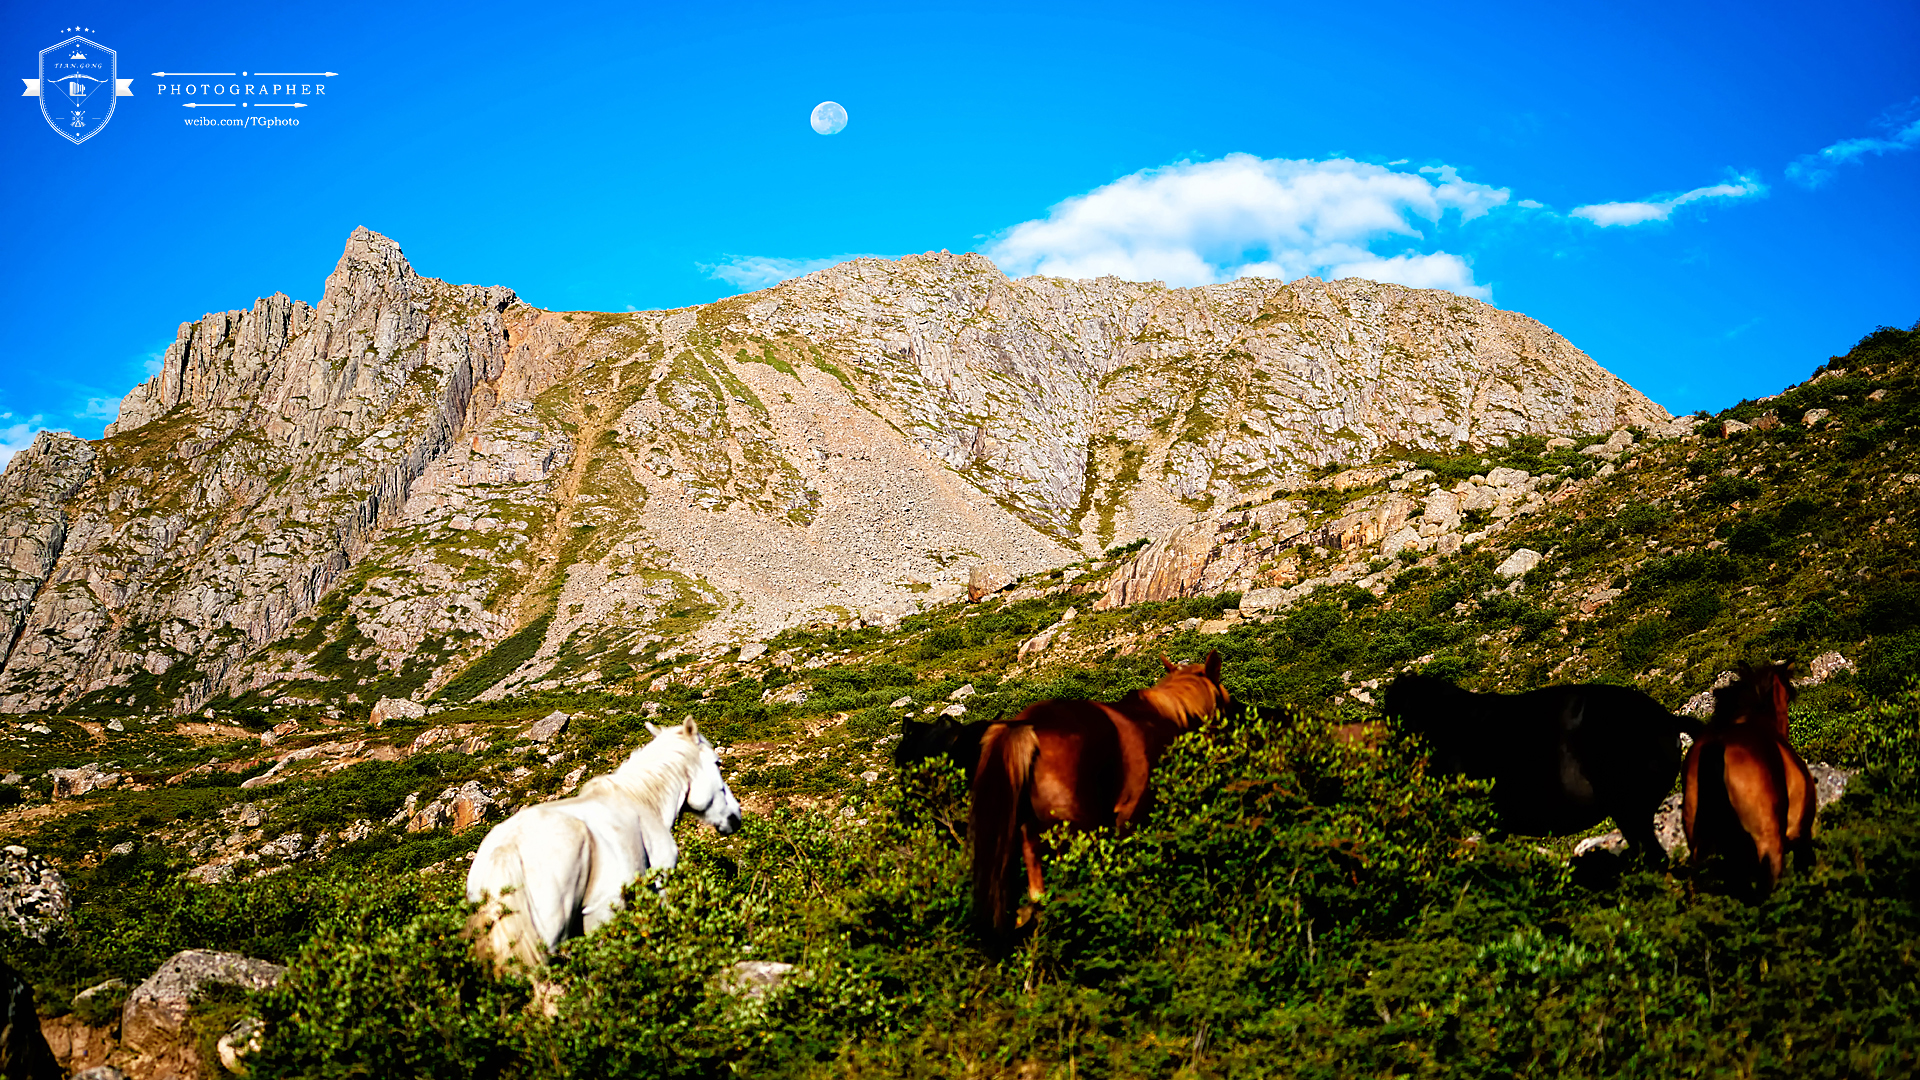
371,270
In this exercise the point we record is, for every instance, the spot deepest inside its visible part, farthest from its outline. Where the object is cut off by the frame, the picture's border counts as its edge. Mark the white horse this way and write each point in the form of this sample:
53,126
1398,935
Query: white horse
556,870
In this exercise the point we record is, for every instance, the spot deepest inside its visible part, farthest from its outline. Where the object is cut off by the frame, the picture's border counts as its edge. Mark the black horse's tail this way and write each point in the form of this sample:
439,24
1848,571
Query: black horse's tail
1715,822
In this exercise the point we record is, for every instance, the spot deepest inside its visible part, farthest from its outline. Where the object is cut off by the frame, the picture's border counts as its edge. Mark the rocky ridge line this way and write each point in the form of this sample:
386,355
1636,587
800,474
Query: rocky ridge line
413,479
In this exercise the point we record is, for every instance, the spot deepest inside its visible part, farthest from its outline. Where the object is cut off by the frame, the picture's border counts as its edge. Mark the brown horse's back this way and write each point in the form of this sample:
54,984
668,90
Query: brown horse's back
1083,763
1748,795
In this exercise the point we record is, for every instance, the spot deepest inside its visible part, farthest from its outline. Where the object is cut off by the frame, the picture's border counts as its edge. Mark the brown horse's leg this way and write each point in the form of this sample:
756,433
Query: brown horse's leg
1801,803
1030,847
1135,767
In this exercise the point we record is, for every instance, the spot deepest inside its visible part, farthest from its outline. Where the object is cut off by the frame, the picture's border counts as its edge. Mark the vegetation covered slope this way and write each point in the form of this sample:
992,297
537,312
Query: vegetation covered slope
1300,904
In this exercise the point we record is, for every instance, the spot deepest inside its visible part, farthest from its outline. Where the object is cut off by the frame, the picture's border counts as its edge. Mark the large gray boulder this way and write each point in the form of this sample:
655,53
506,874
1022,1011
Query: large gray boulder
156,1011
33,895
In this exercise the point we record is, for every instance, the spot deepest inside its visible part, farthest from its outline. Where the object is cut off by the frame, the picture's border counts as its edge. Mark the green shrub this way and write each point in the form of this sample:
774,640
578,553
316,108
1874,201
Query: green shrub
1642,641
1696,608
1726,490
388,987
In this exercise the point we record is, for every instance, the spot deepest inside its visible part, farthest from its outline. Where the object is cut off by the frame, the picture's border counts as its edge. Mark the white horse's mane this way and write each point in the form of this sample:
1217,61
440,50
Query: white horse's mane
654,772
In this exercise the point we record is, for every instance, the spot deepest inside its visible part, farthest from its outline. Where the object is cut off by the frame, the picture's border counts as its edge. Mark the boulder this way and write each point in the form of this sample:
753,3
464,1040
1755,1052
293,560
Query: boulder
73,783
1829,782
986,579
81,1048
548,726
1824,667
457,807
156,1011
33,895
1668,827
1264,599
1767,421
1038,643
388,708
752,650
1814,416
430,736
1518,563
1733,427
211,873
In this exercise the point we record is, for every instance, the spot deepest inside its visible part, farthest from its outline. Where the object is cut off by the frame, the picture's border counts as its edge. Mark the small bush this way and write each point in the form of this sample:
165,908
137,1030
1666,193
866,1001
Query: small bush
1726,490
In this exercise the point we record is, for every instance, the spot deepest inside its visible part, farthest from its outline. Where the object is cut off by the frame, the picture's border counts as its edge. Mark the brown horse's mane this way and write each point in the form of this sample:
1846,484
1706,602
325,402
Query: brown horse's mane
1188,695
1761,694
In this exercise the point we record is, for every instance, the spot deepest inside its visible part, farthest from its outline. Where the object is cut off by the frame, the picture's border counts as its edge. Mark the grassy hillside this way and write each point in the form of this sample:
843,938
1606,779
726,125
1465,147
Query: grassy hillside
1299,905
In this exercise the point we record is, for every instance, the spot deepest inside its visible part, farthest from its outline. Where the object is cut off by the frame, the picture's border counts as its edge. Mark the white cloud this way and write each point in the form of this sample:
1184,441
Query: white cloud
99,408
1636,213
749,272
1812,170
16,437
1530,204
1196,223
1436,271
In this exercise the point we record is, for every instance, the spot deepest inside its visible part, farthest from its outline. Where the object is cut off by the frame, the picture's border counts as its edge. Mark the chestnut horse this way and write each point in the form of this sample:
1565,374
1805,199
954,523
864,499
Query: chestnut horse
1082,763
1749,797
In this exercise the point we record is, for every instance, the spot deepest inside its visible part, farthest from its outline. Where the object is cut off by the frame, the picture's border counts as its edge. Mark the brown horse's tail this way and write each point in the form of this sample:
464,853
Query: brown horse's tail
999,786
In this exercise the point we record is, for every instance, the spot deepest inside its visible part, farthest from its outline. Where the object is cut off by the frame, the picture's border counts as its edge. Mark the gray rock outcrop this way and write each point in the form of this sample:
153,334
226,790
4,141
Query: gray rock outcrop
33,895
419,479
156,1011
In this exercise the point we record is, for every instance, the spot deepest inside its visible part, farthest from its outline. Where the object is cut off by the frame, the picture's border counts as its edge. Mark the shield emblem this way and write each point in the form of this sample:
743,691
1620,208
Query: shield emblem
77,87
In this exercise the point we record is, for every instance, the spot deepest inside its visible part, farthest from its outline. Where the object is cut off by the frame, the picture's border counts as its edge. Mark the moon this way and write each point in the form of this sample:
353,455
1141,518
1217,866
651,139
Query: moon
829,118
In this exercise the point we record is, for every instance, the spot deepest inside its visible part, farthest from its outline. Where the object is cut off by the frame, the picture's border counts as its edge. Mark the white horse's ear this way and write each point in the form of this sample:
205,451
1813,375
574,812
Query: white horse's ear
688,728
651,729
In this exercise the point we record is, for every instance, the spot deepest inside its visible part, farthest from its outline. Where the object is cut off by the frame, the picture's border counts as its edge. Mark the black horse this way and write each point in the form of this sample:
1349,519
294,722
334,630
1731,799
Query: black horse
942,737
1562,758
24,1054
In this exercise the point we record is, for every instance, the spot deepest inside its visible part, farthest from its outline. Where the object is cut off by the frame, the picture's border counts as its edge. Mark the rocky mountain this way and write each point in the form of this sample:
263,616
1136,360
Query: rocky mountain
417,487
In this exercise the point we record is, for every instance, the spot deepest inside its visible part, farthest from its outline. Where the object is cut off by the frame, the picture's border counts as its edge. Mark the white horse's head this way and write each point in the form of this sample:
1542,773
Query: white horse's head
707,791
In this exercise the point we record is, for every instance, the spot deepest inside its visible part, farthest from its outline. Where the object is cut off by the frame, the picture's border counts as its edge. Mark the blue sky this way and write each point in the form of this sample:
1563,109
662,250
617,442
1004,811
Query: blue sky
1709,199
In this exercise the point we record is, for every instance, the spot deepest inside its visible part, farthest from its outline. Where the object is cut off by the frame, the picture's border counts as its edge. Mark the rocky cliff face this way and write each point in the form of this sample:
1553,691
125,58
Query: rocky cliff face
415,483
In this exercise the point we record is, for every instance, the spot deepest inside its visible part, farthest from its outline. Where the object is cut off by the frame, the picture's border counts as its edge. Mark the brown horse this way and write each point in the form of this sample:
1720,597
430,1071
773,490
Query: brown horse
1749,797
1082,763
